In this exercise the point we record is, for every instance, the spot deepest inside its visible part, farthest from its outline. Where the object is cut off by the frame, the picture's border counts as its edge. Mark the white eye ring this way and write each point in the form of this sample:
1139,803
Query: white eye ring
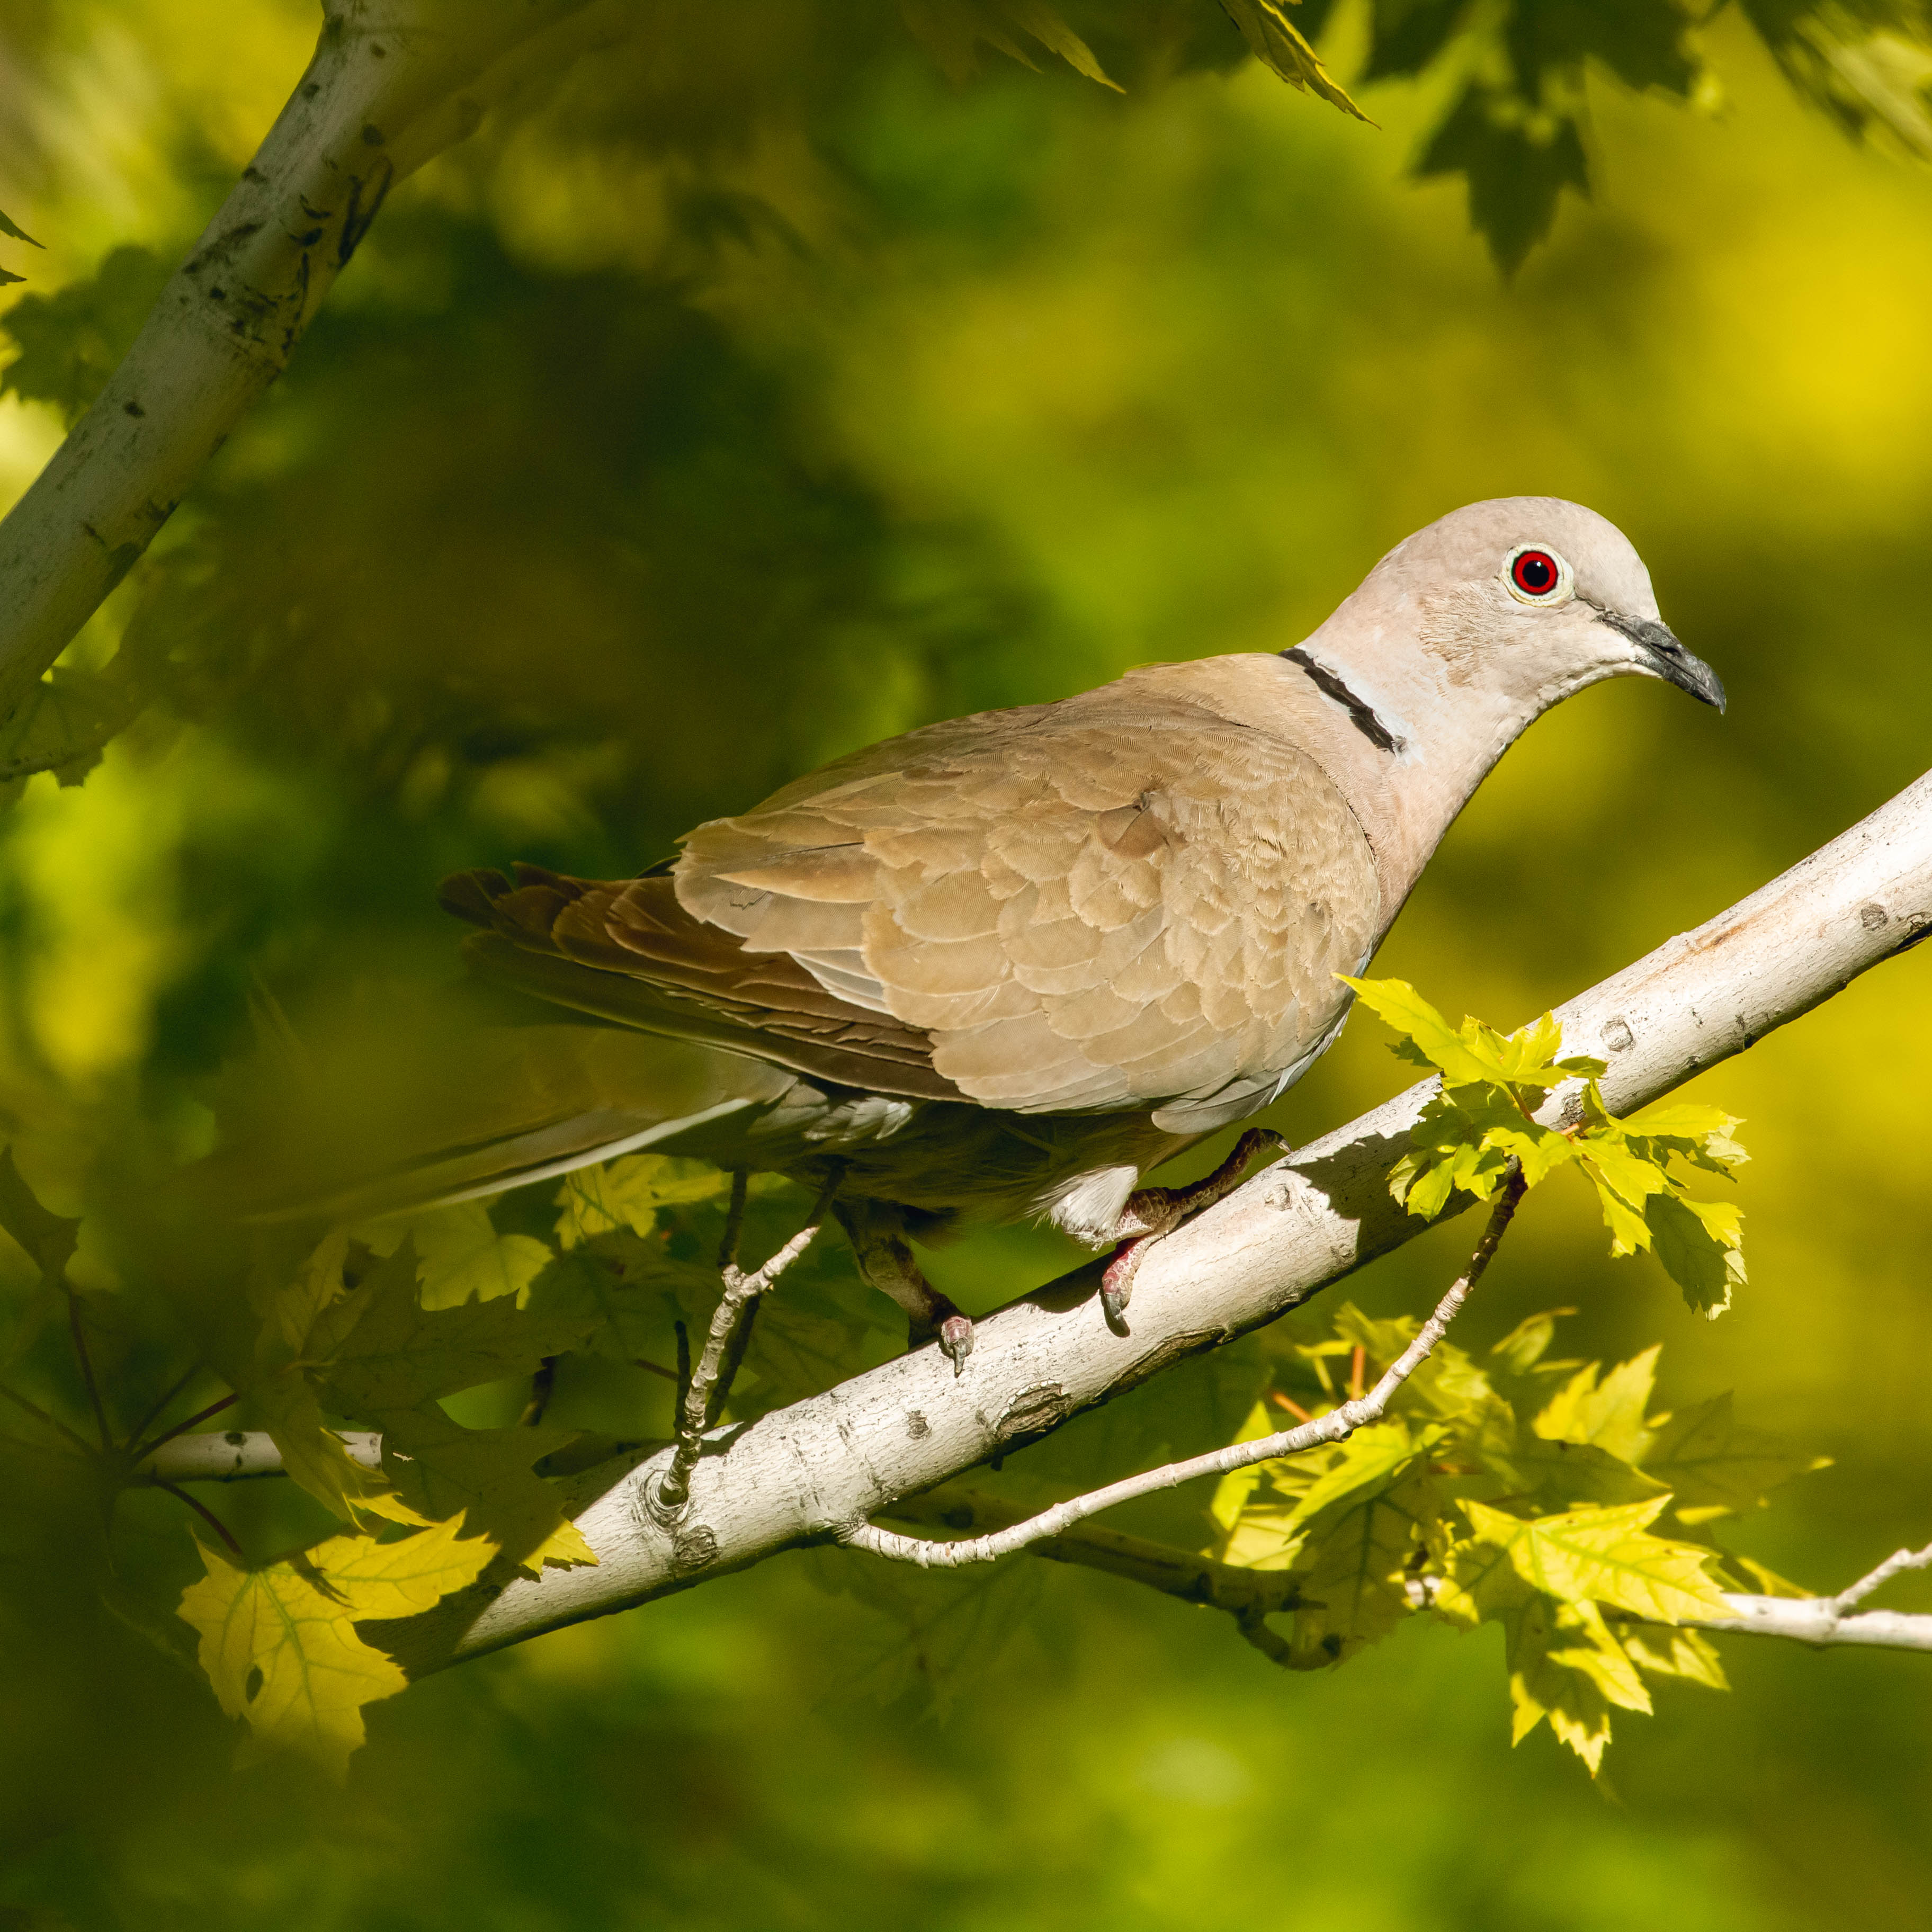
1524,562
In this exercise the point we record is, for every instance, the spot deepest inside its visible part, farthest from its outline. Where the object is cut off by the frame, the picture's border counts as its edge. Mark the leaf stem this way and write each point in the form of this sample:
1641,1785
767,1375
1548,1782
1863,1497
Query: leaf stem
41,1415
87,1371
160,1406
206,1514
147,1449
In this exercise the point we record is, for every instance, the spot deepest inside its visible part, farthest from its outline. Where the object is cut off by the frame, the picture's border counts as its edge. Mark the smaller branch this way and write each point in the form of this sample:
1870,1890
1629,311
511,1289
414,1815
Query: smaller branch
1826,1620
671,1493
147,1449
1816,1620
1337,1426
1894,1565
206,1514
87,1371
658,1369
235,1455
41,1415
734,1220
160,1407
1247,1595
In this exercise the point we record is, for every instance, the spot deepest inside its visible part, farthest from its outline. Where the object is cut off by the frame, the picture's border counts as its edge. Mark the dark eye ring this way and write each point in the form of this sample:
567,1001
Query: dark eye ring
1537,575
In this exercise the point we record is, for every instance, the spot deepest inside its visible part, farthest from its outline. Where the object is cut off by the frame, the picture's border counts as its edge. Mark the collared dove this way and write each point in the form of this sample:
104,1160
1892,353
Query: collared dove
1002,966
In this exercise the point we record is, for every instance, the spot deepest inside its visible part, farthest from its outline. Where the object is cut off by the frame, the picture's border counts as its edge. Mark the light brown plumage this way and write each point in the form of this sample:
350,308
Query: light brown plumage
1014,959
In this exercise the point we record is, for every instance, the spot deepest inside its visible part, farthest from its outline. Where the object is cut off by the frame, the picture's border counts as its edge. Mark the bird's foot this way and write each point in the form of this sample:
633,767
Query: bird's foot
942,1322
1153,1212
887,1263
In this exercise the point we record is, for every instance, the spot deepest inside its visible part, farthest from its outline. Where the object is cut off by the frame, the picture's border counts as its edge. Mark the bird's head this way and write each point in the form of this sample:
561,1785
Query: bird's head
1504,608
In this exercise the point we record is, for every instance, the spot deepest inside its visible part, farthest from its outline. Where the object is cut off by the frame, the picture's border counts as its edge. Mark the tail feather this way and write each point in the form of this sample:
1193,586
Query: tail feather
397,1117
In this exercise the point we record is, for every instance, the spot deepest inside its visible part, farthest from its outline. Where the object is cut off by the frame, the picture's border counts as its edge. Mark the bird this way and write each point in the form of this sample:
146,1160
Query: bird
1004,966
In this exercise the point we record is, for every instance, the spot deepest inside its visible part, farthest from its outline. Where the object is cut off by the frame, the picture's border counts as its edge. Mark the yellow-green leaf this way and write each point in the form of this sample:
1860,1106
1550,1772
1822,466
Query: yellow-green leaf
1352,1571
628,1193
460,1257
1279,46
1524,1347
1400,1007
287,1407
388,1352
1558,1472
1698,1243
1232,1492
1609,1412
485,1476
1714,1467
1661,1651
1605,1555
279,1643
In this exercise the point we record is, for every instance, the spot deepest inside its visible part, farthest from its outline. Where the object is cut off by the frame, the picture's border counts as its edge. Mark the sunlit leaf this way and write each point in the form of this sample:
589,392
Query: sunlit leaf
485,1476
1605,1555
1660,1651
1279,46
461,1257
1698,1243
1609,1412
627,1193
279,1643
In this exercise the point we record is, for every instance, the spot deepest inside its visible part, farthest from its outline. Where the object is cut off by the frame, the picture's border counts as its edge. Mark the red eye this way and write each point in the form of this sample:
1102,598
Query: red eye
1536,573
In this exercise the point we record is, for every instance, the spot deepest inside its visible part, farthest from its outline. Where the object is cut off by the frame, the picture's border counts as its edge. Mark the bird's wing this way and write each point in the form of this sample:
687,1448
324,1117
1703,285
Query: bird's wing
1072,908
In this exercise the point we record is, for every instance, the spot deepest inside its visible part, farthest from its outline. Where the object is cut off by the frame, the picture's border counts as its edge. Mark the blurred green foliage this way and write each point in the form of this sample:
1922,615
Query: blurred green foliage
765,391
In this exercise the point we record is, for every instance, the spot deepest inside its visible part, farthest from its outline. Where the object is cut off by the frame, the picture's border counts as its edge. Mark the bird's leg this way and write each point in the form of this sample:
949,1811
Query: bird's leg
1153,1212
885,1261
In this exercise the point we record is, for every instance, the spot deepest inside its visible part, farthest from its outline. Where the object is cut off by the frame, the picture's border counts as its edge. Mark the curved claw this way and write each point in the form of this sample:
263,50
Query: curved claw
955,1340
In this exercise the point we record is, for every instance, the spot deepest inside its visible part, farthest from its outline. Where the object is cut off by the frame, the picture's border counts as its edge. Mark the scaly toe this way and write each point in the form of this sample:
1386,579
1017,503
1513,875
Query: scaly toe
955,1340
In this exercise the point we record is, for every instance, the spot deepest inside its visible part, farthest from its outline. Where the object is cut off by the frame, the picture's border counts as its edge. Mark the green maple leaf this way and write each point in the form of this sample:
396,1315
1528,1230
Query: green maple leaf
279,1643
1558,1472
1281,48
485,1476
1353,1567
1714,1468
460,1256
1609,1412
628,1193
1605,1555
287,1407
1662,1651
389,1352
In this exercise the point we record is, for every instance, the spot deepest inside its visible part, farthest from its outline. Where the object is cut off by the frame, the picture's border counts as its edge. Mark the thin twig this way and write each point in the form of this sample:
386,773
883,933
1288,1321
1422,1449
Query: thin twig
734,1360
734,1220
206,1514
147,1449
39,1414
669,1496
658,1369
160,1407
87,1371
1335,1426
1894,1565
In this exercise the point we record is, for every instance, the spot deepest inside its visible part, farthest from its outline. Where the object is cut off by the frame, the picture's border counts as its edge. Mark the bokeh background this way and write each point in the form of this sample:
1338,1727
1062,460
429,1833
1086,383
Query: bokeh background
764,393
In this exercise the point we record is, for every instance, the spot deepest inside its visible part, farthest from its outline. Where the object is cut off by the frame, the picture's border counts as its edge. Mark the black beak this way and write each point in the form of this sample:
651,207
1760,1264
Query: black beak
1675,664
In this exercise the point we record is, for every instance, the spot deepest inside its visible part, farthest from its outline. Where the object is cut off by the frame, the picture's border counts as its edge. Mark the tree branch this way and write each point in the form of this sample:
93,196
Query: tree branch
724,1347
1337,1426
1828,1620
805,1474
392,82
